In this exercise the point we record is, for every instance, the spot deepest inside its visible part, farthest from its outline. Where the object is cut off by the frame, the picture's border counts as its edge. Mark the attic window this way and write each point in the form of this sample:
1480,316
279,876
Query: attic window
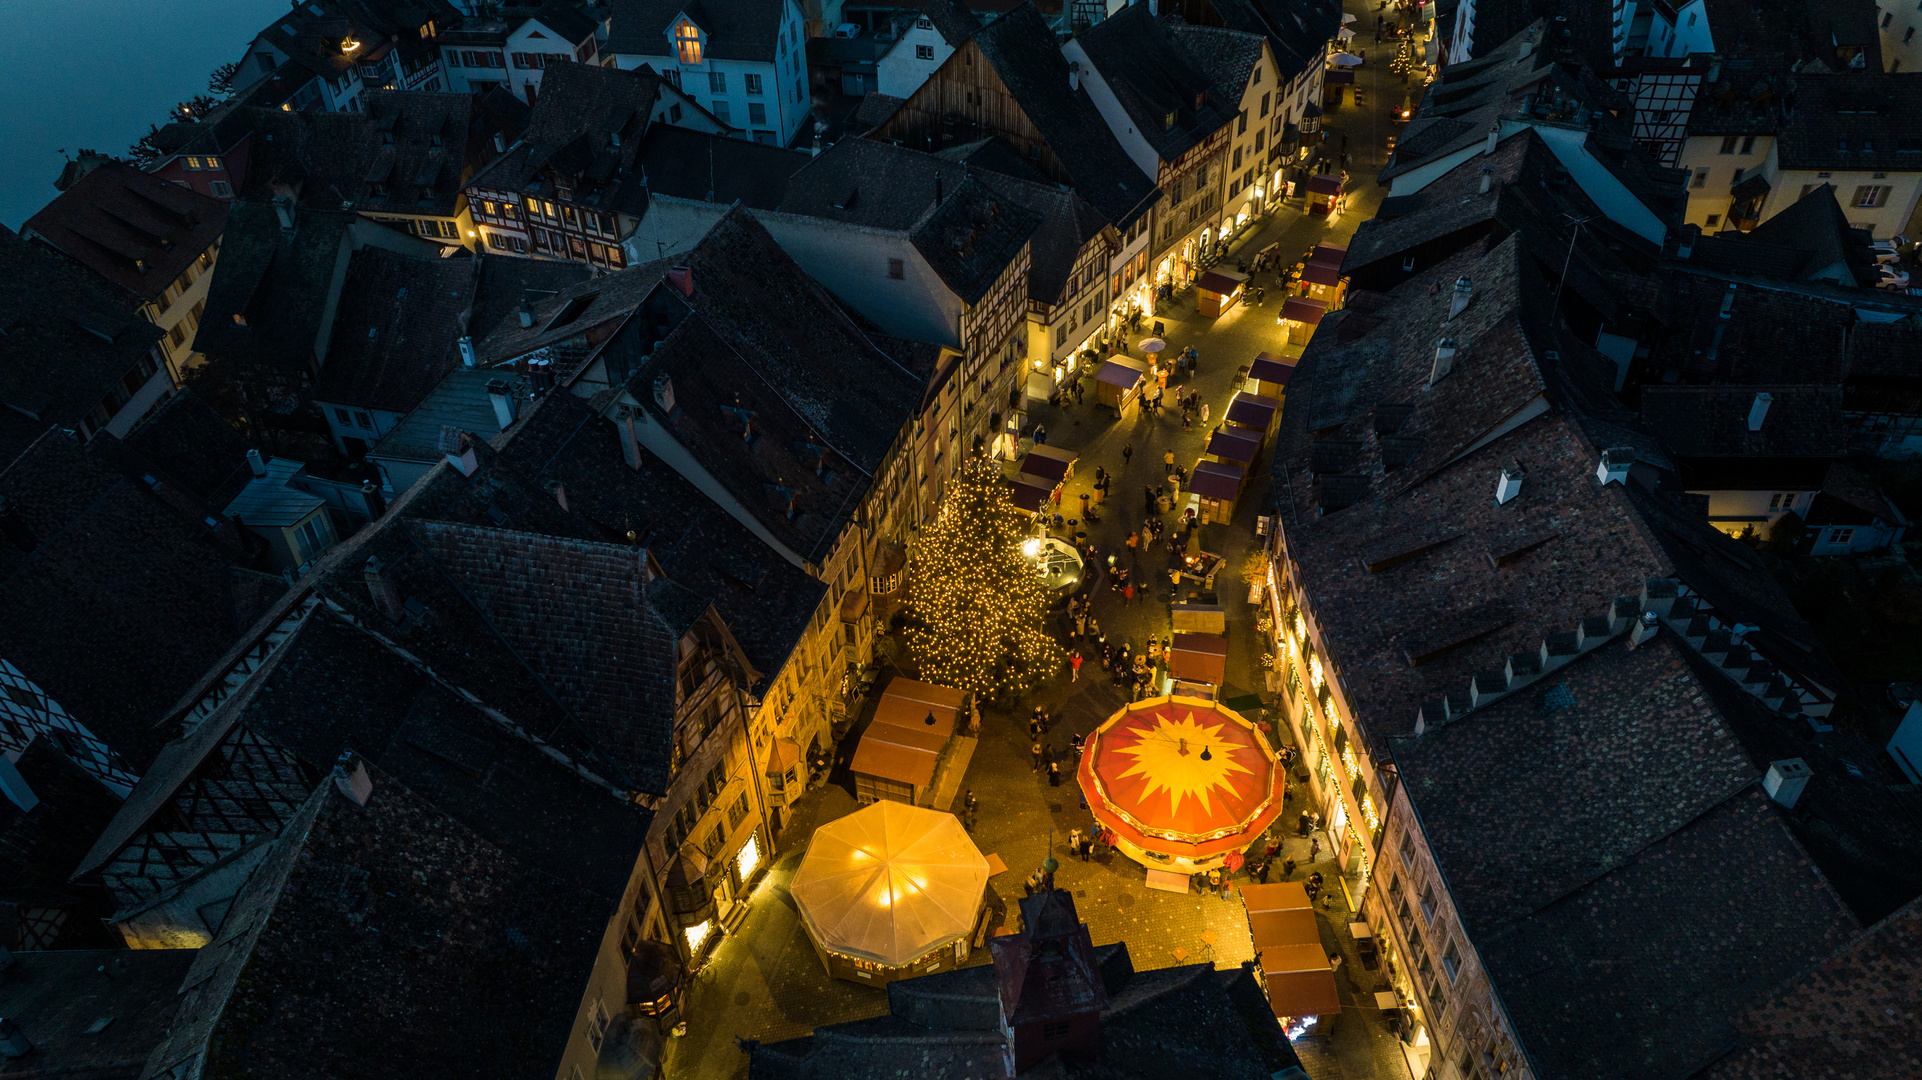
847,200
1168,121
570,311
687,42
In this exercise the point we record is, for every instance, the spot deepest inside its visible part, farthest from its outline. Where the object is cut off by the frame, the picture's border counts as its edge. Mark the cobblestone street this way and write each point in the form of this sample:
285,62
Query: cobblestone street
765,983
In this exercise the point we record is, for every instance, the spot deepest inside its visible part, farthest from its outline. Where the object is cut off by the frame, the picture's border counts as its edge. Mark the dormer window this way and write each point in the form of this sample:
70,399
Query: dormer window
687,42
1168,121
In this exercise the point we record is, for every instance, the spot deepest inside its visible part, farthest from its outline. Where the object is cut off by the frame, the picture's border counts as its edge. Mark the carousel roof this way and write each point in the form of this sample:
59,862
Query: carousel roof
1182,776
889,882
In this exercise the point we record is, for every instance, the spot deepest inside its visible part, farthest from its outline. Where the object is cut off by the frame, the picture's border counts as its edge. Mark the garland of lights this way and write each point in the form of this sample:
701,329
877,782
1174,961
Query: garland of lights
976,608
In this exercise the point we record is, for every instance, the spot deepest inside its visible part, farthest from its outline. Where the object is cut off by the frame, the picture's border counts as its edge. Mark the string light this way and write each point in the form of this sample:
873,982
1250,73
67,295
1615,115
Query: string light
976,609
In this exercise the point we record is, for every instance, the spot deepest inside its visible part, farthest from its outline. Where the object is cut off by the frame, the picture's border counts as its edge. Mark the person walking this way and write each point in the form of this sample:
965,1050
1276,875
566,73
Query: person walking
1074,842
1074,666
1204,412
1054,774
1148,497
1041,434
1287,869
1127,595
1127,451
1314,849
1134,540
1168,459
1036,751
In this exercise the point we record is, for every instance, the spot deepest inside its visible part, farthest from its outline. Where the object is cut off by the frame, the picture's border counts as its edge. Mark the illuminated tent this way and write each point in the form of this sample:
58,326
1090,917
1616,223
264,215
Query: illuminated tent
889,887
1181,781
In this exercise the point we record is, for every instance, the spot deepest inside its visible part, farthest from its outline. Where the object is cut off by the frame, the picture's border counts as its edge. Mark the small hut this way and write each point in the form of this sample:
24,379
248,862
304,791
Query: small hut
904,745
1258,414
1294,966
1324,194
1299,317
1270,375
1239,446
891,891
1039,475
1198,662
1322,281
1118,383
1217,290
1217,485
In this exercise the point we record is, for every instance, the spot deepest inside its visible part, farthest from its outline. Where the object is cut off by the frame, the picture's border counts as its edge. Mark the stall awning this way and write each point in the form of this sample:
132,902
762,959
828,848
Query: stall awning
1047,462
1221,281
1120,372
1281,926
1198,658
1217,480
1337,77
1203,618
1271,368
941,697
1029,493
897,753
1279,914
1250,411
1303,309
1322,184
1332,254
915,715
1321,274
1232,445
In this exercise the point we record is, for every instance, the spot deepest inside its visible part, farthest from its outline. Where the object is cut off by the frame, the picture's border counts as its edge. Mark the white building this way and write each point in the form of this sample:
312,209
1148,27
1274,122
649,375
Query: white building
745,62
557,34
923,46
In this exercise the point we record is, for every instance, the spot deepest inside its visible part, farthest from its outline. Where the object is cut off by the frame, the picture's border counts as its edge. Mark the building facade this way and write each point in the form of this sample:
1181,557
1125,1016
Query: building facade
747,65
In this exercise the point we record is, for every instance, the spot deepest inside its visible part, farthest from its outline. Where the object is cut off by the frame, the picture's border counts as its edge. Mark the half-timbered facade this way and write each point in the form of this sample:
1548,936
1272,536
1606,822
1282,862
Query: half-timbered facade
1663,90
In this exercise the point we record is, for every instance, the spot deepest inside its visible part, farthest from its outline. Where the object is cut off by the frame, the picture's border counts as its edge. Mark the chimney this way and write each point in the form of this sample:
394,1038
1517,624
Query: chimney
1444,360
284,210
380,586
1464,291
1759,411
630,446
13,1042
463,458
1074,76
1488,179
526,314
1644,628
1510,484
559,491
1785,780
370,495
504,403
15,787
682,278
350,776
1494,137
1614,466
664,393
1685,247
256,463
538,373
467,358
1728,300
500,143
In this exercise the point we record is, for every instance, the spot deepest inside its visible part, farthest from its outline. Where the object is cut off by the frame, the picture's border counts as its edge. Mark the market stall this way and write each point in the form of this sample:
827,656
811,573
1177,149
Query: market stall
1217,485
1199,619
905,742
1294,967
1238,445
1270,374
1199,660
1323,281
1217,290
1328,254
1324,194
1118,384
891,891
1254,413
1041,472
1180,782
1299,317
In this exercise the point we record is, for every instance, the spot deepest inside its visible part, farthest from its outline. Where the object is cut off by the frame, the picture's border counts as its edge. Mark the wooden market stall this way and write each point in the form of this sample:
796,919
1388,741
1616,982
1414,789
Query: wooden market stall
1299,317
1255,413
1217,484
1039,475
1199,619
1118,384
1232,444
898,756
1294,968
1324,193
1270,374
1198,659
1217,290
1323,281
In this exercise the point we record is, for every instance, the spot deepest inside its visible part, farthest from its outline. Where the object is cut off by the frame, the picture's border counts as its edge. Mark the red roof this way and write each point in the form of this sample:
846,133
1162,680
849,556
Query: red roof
1234,444
1325,185
1268,367
1182,776
1321,273
1304,309
1217,480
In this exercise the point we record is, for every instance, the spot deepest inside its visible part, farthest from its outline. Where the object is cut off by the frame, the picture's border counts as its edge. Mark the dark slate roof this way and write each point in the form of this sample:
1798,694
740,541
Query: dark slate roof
1154,76
1858,121
585,130
1850,498
506,280
185,442
278,283
1710,422
951,19
41,849
359,929
714,168
1852,1015
1068,224
765,600
1816,223
1772,335
135,230
566,19
1021,48
1227,57
973,236
54,367
874,185
115,569
736,29
1296,31
996,155
396,329
56,997
383,158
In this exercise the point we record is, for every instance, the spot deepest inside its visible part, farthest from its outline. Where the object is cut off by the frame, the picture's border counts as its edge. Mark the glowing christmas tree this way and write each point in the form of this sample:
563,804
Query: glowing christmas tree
1404,58
976,607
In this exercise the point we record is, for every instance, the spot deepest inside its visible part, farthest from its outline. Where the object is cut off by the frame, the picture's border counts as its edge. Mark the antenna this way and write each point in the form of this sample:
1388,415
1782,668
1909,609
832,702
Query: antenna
1578,223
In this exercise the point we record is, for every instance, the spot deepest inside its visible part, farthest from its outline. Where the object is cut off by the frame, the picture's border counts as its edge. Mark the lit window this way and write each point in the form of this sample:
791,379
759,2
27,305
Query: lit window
697,934
749,858
687,39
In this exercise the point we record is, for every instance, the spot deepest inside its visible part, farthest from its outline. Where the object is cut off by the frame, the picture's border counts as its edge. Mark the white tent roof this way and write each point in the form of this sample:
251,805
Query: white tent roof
890,882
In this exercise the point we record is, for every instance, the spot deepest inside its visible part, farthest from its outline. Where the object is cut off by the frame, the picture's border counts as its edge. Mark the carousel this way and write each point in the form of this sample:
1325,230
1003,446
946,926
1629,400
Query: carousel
1184,784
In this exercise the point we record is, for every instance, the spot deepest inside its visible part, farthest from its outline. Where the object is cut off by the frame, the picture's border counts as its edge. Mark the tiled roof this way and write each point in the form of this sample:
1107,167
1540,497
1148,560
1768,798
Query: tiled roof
1852,1016
135,230
735,29
609,299
40,850
362,925
1815,223
1154,77
1297,32
407,153
972,237
1068,224
952,20
57,997
114,571
1711,422
278,283
714,168
1857,121
396,329
872,184
69,341
506,280
1772,335
1856,497
1228,57
765,600
586,128
1022,50
459,404
187,443
566,19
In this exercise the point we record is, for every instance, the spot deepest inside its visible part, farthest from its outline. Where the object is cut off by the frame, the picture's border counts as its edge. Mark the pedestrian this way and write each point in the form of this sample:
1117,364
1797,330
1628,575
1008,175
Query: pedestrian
1127,451
1214,880
1127,594
1054,774
1314,849
1264,871
968,802
1074,842
1036,751
1301,826
1187,421
1148,497
1134,540
1169,459
1287,869
1077,392
1040,434
1204,412
1074,666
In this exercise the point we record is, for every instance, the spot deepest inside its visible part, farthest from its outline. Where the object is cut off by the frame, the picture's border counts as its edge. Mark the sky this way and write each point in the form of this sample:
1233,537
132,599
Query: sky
97,73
